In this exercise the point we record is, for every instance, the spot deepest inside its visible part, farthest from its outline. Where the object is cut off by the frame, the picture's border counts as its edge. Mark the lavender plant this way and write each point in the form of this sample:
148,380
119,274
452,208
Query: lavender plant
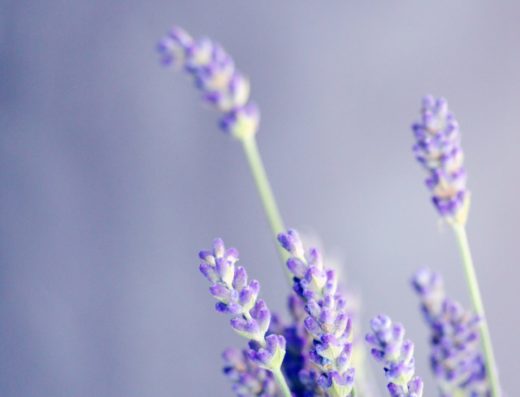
312,354
438,150
455,358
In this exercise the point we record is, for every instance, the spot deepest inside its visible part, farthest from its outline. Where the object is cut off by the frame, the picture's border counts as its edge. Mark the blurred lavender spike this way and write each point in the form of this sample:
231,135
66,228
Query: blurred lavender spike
214,73
326,321
396,354
247,378
455,358
438,150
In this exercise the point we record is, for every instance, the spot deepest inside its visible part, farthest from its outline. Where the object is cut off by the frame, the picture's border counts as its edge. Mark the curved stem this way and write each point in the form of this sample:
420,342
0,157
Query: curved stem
266,194
282,383
478,306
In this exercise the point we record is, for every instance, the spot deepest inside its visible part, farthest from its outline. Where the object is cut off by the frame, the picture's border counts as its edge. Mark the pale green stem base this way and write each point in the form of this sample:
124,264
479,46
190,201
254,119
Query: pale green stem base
266,194
282,383
478,306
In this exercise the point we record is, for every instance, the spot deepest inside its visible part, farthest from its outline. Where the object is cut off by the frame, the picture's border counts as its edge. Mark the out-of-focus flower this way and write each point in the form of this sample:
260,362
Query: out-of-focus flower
239,297
248,379
455,358
396,354
215,75
439,151
327,321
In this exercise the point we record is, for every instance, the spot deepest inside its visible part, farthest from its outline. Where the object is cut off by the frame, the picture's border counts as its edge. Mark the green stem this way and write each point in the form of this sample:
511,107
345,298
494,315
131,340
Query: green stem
282,383
478,306
266,194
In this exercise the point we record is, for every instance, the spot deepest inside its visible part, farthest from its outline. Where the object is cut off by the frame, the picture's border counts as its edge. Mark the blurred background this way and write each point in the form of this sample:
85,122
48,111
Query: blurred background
113,176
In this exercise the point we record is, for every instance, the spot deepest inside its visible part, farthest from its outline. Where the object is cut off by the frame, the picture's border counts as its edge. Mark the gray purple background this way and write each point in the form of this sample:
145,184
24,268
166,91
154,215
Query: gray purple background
113,176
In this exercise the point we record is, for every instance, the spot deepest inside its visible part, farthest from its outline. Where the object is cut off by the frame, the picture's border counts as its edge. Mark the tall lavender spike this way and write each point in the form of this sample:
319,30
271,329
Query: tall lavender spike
215,75
327,321
239,297
248,379
396,354
439,151
250,316
455,358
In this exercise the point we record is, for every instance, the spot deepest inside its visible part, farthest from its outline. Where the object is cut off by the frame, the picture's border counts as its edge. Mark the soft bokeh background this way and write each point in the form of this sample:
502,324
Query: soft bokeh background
113,176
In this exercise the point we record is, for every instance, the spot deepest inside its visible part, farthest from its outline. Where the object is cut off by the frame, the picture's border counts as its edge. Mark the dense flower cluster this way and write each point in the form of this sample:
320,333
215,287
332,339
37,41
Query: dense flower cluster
439,151
215,74
396,354
455,357
239,297
327,321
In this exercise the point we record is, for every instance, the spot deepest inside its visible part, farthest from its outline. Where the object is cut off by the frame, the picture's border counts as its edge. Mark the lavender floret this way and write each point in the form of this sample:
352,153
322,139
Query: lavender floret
213,70
238,296
438,149
327,321
396,354
455,358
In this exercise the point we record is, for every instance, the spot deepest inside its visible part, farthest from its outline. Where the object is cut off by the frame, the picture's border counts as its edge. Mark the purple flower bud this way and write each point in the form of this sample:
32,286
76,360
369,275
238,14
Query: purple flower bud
174,47
292,243
240,279
241,122
297,267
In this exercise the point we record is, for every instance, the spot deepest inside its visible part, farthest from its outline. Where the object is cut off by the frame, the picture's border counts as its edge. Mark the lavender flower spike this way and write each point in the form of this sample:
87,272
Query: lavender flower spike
213,70
455,358
250,316
439,151
396,354
327,321
239,297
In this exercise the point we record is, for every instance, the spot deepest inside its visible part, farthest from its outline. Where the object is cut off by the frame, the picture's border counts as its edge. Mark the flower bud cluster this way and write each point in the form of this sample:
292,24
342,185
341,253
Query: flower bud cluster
327,321
396,354
215,75
439,151
239,297
455,358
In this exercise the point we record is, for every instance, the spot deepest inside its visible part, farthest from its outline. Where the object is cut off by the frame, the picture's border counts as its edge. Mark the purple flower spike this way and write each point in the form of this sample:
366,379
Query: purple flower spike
455,359
439,151
396,354
247,377
250,316
326,320
215,75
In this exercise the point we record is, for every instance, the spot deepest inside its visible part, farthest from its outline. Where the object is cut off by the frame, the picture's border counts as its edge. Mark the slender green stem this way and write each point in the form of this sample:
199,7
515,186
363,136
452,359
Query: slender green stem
478,306
266,194
282,383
